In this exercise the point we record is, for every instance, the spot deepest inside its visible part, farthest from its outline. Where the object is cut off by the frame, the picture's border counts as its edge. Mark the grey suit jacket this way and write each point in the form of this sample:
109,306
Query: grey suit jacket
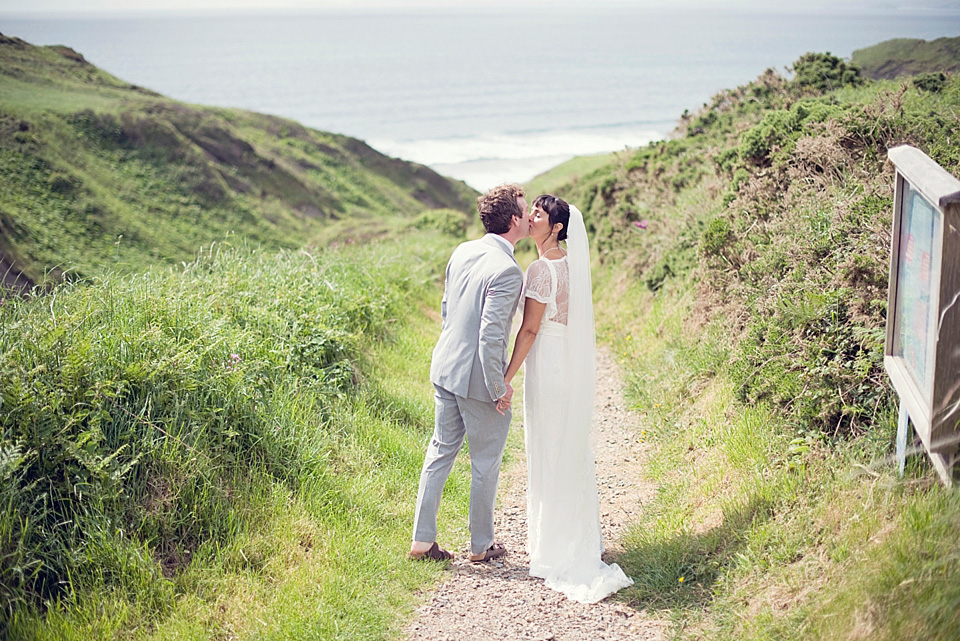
480,296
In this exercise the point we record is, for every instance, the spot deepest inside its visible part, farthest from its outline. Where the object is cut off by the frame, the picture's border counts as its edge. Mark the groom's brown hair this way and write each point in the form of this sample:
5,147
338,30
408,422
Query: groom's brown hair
498,206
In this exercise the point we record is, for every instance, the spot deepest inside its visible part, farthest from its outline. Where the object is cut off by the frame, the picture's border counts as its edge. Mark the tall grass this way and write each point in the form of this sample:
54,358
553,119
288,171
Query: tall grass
217,449
759,530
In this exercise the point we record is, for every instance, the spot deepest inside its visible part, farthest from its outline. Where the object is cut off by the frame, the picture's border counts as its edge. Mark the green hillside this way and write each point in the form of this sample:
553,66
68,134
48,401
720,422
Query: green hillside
554,178
744,285
908,57
96,172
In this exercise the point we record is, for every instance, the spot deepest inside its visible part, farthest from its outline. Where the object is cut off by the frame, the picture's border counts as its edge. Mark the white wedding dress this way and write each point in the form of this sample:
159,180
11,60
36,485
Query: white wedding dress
563,521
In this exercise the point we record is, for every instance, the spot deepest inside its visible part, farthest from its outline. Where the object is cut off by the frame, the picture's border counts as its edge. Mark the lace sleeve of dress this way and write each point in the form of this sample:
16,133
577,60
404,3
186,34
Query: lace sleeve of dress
539,282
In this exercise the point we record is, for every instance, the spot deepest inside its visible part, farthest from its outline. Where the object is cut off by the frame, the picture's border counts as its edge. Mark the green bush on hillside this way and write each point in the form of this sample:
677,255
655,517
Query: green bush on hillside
808,356
802,195
809,247
824,72
716,238
930,81
447,221
780,129
759,373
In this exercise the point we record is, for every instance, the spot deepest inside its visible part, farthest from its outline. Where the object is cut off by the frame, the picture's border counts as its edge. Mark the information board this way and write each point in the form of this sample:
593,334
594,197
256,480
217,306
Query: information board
915,321
922,350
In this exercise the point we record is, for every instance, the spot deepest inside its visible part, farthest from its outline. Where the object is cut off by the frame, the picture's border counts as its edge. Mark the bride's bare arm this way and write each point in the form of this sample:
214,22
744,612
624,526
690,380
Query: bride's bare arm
529,326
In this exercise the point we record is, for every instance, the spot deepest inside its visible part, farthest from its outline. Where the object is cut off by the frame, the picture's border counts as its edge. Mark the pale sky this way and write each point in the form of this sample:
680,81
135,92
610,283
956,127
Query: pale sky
234,6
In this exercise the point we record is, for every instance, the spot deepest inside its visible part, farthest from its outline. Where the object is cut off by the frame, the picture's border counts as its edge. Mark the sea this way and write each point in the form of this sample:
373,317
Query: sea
481,95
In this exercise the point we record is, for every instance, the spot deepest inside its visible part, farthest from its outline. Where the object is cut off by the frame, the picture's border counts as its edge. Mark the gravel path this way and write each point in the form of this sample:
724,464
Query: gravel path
500,600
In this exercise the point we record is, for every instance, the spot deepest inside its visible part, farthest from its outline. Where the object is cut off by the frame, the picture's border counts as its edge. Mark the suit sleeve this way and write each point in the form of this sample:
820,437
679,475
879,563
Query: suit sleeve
499,301
443,301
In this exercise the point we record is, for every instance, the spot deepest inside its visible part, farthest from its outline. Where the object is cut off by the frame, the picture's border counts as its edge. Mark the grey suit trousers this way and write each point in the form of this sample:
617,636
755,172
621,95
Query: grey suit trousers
486,431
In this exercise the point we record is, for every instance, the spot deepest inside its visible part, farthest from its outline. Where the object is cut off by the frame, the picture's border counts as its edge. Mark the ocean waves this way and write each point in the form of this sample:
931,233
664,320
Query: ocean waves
485,160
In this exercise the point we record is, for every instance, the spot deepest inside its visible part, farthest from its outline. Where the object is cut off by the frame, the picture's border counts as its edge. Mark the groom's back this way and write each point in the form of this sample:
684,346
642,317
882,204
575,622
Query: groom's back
472,271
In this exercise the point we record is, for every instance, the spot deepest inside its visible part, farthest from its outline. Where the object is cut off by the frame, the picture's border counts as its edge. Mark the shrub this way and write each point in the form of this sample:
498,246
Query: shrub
933,82
740,177
702,122
757,143
806,357
716,237
447,221
780,130
727,159
823,72
64,184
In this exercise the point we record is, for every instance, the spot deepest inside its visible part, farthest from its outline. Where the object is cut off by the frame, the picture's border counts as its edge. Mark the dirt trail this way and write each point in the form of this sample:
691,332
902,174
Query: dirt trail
499,600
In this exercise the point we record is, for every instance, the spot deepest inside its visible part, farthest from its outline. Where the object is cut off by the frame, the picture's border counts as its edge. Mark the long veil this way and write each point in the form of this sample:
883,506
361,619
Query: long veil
581,343
563,513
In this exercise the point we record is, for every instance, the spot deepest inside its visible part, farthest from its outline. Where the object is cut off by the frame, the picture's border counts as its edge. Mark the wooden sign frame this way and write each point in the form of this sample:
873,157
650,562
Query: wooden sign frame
922,351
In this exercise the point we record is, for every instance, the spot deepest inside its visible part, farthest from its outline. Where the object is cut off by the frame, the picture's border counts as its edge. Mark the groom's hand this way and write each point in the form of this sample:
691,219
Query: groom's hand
503,403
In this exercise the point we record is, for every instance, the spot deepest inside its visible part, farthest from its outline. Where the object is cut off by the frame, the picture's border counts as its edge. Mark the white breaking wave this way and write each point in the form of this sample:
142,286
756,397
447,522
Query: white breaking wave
483,161
484,174
515,146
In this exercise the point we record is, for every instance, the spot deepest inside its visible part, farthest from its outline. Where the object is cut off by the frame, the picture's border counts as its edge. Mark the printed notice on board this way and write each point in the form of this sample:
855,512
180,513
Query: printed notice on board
920,223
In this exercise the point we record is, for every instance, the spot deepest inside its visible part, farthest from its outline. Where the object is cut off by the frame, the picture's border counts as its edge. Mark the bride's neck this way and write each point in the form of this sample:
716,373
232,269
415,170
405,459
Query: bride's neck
548,245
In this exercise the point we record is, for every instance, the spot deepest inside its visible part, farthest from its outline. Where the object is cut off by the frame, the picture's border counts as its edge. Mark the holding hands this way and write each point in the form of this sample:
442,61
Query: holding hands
503,403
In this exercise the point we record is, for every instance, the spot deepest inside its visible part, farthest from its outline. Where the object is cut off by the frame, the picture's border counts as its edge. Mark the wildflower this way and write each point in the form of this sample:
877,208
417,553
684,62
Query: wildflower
233,361
640,224
680,580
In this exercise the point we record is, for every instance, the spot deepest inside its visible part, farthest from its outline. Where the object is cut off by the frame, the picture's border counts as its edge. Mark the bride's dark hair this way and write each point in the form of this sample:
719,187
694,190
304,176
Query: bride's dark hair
558,211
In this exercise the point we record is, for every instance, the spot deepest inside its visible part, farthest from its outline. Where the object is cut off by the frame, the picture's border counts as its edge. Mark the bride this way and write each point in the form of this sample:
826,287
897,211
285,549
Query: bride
557,339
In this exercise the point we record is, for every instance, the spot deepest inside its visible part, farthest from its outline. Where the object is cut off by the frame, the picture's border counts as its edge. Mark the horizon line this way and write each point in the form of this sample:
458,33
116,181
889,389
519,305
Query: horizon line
495,7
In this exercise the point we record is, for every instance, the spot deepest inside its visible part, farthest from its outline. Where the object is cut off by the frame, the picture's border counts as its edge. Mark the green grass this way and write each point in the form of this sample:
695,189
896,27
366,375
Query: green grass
228,448
758,531
567,172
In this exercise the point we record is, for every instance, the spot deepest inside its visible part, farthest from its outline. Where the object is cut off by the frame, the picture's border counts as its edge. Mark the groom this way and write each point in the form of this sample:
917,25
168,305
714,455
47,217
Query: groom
480,296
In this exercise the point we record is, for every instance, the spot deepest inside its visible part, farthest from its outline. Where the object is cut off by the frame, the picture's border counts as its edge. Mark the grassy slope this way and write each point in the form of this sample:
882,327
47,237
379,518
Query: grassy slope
907,57
557,177
228,449
97,172
749,314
